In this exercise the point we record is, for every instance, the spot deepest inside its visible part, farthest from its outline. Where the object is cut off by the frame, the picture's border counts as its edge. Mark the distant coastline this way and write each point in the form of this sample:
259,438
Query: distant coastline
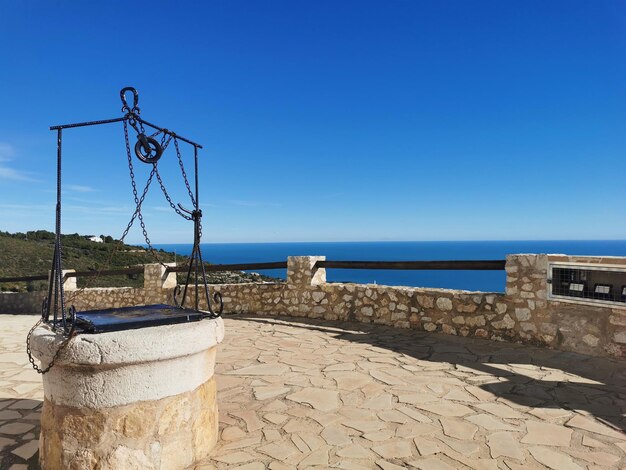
489,281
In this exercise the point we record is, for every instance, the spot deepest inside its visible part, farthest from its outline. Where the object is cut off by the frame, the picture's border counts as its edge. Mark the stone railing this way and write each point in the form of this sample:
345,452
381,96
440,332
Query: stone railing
524,313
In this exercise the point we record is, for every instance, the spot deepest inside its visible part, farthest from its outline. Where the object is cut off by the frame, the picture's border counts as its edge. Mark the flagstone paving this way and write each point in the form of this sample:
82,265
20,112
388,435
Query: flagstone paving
297,393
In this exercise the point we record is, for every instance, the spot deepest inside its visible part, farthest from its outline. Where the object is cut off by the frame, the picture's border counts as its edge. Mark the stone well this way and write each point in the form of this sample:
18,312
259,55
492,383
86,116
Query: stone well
134,399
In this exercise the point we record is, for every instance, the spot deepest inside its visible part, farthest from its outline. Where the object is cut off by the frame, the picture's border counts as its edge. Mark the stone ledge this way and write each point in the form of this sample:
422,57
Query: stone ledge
119,368
129,346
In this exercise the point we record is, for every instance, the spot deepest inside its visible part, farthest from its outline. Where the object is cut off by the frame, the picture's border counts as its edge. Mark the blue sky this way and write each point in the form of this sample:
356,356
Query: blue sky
326,120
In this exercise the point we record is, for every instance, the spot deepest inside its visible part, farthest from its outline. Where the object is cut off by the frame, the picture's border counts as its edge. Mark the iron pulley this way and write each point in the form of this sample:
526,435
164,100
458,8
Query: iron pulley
147,148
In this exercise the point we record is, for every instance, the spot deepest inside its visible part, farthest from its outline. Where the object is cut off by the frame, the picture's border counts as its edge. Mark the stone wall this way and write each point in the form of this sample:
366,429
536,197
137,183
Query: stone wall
522,314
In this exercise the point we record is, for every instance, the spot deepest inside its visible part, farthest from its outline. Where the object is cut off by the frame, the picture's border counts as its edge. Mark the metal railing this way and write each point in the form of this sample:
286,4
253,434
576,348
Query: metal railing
232,267
473,265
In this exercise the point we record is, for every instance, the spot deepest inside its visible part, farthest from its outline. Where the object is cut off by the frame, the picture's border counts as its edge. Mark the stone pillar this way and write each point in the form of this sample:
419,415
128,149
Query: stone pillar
134,399
70,282
155,282
301,271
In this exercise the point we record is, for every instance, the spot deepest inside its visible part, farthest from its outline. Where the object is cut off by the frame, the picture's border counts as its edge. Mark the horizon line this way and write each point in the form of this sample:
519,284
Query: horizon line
407,241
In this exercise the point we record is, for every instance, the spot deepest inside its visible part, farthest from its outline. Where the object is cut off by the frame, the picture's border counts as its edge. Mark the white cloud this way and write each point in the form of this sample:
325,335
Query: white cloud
7,152
13,174
239,202
79,188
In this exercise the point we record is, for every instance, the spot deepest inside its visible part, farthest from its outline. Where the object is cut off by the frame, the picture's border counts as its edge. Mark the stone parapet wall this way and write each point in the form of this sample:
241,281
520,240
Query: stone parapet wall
524,313
21,302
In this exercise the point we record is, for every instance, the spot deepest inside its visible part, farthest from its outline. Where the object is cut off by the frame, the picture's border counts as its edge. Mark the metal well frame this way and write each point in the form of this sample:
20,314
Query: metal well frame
54,304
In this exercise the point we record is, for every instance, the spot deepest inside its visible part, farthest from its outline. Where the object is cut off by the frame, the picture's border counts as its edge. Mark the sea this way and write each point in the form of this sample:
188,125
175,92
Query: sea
486,281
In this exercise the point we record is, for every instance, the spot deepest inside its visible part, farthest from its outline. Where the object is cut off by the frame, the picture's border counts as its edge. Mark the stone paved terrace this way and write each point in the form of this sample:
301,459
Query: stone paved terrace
303,393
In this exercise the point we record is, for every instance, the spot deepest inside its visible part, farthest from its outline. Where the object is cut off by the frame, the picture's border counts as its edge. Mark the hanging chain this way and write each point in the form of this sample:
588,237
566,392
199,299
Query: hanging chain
182,169
139,201
61,347
184,173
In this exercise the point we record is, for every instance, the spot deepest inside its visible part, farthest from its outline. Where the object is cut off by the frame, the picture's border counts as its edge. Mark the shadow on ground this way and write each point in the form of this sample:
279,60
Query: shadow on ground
19,432
525,375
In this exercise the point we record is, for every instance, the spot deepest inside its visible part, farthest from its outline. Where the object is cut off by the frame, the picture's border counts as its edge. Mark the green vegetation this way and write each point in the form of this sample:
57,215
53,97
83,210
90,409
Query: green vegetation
30,254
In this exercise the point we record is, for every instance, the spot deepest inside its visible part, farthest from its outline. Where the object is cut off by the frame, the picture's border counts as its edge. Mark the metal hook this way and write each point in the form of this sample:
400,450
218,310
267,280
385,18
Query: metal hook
195,214
123,92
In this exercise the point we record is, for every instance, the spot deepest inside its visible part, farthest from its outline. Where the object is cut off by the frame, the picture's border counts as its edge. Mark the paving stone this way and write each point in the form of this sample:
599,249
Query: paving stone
384,465
426,447
463,447
319,398
458,429
15,428
242,443
458,394
490,423
394,449
278,451
603,459
414,414
394,416
591,442
271,435
385,377
431,463
25,405
250,466
275,418
553,459
232,433
262,369
364,425
505,444
549,414
317,457
253,423
234,458
6,442
348,465
9,414
547,434
350,380
500,410
335,436
378,436
381,402
417,429
264,393
354,451
591,425
418,398
295,425
344,366
446,409
300,444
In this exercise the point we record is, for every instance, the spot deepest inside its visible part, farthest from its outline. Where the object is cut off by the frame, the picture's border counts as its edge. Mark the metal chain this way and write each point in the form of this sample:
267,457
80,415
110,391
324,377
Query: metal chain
139,201
182,169
120,241
169,199
62,346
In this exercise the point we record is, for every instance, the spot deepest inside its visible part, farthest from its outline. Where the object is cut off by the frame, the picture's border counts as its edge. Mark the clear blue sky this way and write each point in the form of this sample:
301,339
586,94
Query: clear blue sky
325,120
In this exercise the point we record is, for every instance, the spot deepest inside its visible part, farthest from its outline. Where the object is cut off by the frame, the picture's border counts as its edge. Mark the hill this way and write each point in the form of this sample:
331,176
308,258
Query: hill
30,253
